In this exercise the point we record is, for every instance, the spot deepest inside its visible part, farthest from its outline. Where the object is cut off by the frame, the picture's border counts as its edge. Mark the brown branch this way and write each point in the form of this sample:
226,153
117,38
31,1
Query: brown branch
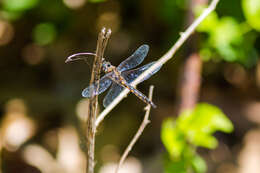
191,76
138,133
93,102
190,84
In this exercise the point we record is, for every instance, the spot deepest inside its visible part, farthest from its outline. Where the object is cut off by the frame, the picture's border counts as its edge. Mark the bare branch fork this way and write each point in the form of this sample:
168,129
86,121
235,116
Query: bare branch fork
166,57
138,133
93,103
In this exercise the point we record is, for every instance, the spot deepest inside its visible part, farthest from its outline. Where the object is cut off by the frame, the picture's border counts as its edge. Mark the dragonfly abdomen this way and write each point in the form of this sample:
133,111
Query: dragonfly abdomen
141,96
137,93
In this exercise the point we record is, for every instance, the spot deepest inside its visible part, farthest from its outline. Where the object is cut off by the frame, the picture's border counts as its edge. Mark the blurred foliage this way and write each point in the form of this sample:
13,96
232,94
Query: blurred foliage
169,9
19,5
227,39
44,33
251,10
192,128
96,1
14,9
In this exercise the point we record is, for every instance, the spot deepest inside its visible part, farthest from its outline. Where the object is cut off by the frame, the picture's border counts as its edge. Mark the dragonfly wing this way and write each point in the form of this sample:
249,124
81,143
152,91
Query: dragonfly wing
113,92
104,83
131,75
135,59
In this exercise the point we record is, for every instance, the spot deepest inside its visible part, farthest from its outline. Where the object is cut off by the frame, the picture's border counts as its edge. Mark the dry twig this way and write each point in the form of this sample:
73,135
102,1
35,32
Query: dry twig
93,102
138,133
183,37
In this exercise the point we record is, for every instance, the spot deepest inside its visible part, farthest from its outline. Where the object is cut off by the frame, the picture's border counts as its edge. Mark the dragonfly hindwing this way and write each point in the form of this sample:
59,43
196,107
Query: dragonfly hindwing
104,83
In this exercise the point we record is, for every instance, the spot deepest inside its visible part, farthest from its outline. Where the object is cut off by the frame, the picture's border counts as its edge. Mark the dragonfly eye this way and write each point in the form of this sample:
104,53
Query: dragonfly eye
106,66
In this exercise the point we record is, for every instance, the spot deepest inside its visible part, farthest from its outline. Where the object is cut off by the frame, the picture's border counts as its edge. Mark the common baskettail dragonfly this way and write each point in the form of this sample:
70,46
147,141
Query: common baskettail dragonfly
119,77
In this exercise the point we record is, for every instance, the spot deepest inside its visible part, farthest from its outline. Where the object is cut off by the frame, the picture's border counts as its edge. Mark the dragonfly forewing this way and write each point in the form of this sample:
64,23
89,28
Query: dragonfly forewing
104,83
131,75
135,59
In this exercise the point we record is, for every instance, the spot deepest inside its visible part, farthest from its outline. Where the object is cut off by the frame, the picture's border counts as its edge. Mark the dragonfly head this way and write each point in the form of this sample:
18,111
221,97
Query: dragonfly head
107,67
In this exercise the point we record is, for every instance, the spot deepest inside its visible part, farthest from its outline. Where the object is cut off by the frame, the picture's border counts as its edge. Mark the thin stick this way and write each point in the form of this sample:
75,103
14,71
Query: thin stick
184,36
139,131
93,102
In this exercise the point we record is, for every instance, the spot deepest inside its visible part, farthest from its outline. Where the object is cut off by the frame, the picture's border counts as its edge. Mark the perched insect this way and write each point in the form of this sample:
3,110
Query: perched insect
120,77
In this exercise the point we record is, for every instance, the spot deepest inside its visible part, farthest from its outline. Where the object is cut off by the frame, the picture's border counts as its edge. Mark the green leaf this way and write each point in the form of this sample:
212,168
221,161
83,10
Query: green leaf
198,164
231,40
251,10
171,165
228,31
191,129
172,138
19,5
199,124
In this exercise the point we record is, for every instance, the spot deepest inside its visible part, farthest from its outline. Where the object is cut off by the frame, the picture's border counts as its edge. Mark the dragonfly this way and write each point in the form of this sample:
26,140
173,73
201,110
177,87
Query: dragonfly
119,77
